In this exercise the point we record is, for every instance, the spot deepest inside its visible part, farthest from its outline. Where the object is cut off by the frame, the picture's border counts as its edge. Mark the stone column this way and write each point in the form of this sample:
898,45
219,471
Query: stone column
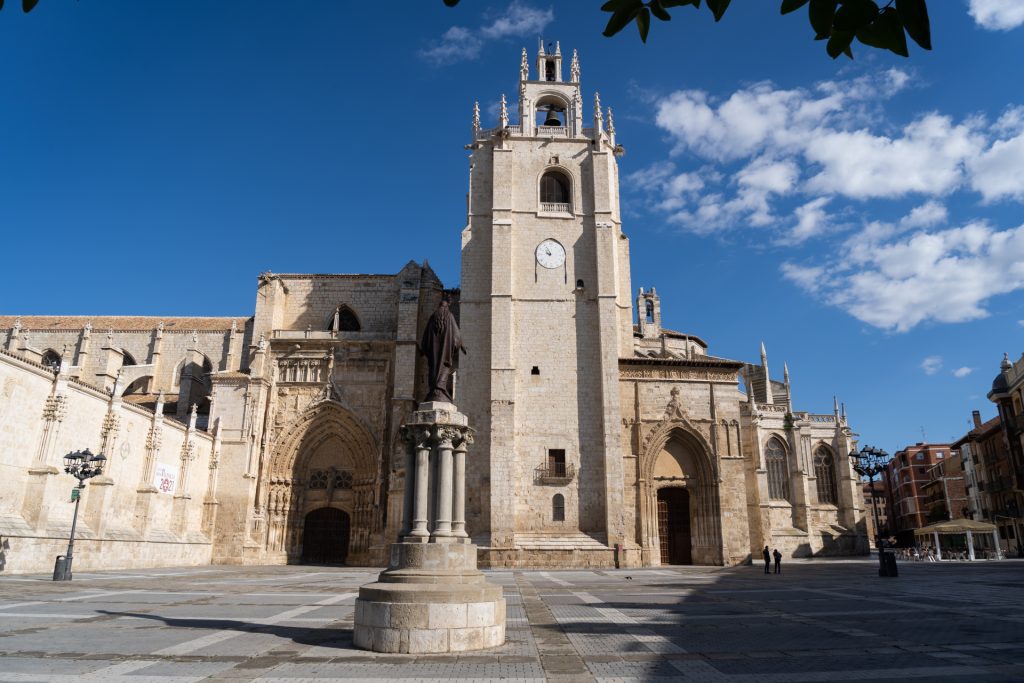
970,545
938,548
432,598
419,514
443,525
459,494
408,488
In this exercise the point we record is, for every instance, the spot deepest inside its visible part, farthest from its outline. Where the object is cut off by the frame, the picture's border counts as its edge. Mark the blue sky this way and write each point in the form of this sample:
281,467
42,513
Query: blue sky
863,219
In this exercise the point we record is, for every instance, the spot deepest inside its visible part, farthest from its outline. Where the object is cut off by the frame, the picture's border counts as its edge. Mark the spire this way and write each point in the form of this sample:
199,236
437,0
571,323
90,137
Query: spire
503,113
558,47
835,406
598,119
764,355
785,372
611,122
540,46
476,118
574,67
842,411
524,67
768,398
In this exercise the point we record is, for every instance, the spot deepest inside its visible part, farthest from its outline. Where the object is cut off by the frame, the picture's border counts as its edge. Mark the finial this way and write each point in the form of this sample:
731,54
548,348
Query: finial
611,122
159,401
503,114
558,47
574,67
1006,364
88,328
110,336
524,67
597,109
476,117
160,326
785,371
842,410
540,46
17,323
195,410
835,405
234,326
764,355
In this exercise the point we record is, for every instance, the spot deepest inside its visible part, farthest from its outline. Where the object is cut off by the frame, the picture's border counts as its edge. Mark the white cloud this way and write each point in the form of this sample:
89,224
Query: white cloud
931,364
962,372
944,276
928,214
999,171
811,220
460,43
519,19
997,15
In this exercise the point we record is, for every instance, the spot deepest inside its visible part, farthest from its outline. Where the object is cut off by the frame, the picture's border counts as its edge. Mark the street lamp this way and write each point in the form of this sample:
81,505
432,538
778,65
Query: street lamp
81,465
870,462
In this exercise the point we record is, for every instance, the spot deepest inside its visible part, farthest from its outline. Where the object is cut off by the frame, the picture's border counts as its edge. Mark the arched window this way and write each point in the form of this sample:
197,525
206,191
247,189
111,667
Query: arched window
51,359
778,473
649,308
825,471
558,508
343,320
554,189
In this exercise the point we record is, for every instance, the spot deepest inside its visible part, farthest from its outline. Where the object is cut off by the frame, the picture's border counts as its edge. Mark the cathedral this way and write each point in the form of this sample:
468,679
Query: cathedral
601,438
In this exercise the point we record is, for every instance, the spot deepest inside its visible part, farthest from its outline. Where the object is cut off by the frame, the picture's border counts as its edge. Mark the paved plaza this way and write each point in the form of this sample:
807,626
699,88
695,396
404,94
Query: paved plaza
819,620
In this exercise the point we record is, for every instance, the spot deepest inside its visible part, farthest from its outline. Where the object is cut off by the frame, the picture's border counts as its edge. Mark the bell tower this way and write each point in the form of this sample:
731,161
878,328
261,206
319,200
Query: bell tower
546,314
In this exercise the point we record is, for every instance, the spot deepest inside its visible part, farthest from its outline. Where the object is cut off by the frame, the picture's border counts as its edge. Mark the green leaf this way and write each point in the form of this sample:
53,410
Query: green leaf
623,16
658,10
451,3
914,15
839,43
791,6
718,7
821,13
613,5
643,23
855,14
28,5
885,32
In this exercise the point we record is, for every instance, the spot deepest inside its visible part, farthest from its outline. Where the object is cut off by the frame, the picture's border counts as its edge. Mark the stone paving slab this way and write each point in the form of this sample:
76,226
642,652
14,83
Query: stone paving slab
820,621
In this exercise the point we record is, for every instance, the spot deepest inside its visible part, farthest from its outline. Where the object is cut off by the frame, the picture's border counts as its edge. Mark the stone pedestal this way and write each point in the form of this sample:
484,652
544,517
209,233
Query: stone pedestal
432,598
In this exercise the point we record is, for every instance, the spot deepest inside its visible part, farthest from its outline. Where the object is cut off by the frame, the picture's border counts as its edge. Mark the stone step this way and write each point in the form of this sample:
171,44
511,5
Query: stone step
547,540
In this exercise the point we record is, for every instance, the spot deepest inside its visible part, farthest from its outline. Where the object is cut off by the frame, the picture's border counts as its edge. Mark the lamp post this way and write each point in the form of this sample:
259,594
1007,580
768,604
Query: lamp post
870,462
81,465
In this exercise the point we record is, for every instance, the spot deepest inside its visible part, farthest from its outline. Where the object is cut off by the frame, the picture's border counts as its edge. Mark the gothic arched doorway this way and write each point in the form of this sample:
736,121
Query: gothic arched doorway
325,536
674,526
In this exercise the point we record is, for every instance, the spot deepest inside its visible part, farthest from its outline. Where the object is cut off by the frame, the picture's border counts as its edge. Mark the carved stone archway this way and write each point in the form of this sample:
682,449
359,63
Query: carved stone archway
326,458
675,454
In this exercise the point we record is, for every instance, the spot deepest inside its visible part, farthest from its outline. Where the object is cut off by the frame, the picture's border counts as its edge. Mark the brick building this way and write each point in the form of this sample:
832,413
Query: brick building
876,503
907,474
1006,480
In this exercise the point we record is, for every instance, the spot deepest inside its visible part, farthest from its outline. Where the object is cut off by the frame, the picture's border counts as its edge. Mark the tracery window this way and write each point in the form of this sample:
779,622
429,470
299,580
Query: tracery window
343,479
825,471
318,480
778,472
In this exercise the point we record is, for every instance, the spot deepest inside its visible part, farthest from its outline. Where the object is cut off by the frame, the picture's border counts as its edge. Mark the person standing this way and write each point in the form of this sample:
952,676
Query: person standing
778,561
767,560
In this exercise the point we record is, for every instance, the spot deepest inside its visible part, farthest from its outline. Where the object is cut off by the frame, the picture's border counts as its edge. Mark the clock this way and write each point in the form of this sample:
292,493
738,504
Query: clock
550,254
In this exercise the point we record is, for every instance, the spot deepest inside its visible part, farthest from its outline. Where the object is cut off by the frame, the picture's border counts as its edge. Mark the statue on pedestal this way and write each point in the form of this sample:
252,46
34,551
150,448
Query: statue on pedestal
441,344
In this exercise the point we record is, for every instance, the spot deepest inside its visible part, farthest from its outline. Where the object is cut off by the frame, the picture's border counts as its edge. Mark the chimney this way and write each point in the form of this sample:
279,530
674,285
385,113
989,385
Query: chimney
977,418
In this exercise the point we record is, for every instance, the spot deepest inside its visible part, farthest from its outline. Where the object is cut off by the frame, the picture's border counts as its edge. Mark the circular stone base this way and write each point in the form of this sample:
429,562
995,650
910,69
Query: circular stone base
424,627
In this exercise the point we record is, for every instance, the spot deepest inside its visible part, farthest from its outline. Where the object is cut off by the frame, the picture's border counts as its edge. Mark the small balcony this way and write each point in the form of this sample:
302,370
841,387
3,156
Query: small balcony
554,474
555,207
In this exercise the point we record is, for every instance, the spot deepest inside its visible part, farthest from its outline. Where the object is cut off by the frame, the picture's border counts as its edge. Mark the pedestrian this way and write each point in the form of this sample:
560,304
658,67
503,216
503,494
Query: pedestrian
767,559
778,561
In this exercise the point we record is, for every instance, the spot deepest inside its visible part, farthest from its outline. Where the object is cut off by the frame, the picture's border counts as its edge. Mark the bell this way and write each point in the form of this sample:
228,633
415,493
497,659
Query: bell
552,119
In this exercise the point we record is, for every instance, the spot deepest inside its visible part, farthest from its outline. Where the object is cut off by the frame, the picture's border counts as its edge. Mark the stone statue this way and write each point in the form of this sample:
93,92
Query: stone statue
441,344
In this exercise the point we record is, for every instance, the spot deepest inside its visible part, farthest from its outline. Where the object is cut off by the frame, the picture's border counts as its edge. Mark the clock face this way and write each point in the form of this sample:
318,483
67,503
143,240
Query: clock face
550,254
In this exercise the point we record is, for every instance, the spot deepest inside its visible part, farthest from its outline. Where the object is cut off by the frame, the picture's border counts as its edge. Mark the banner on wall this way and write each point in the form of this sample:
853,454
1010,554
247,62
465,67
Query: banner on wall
165,477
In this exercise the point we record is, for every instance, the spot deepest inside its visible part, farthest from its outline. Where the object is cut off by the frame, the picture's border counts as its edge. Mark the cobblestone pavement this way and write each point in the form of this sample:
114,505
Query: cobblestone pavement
818,621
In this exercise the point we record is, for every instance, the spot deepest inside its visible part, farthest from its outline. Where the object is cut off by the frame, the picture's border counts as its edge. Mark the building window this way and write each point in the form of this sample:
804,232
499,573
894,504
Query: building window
343,480
556,462
318,479
825,471
343,320
558,508
554,189
919,456
51,359
778,473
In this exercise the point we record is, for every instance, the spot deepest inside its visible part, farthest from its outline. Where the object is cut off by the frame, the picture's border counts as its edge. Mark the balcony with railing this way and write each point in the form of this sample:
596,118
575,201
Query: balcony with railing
552,131
554,474
555,207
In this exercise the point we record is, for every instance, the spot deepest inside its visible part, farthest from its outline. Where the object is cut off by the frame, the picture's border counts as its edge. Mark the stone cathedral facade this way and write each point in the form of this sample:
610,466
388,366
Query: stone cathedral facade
603,438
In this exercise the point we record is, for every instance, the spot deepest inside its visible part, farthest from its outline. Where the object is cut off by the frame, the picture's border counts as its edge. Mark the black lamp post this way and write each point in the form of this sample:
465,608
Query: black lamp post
81,465
870,462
